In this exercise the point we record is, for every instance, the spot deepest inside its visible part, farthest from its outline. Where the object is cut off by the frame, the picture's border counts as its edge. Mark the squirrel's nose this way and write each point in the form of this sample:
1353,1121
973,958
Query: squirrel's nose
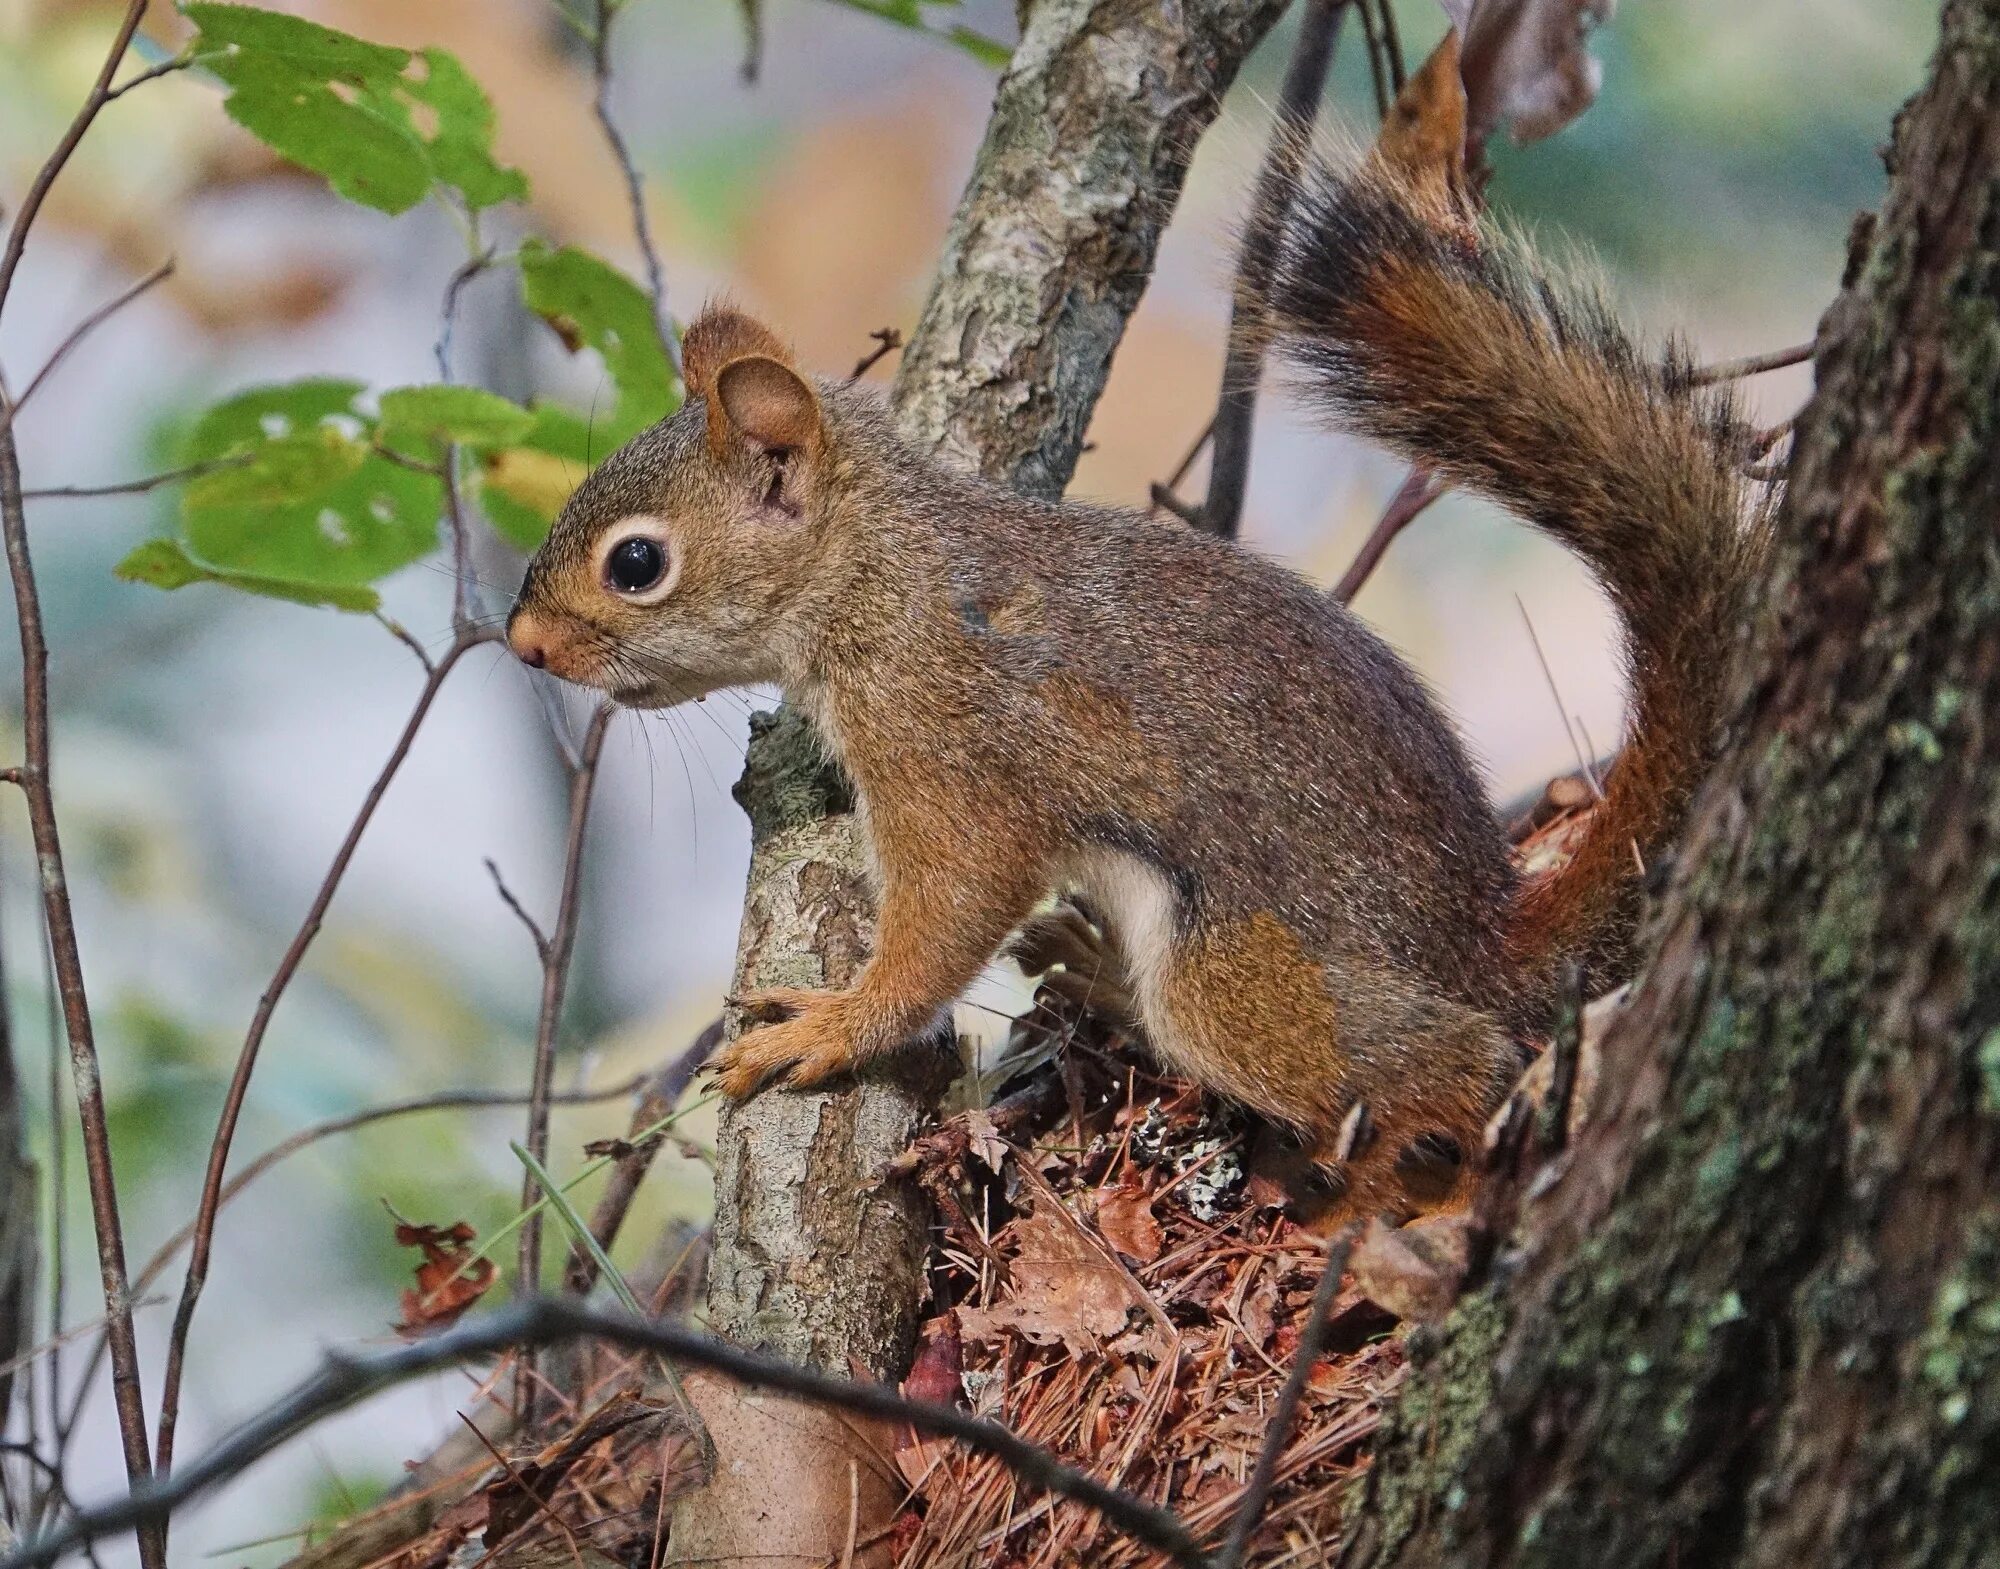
526,636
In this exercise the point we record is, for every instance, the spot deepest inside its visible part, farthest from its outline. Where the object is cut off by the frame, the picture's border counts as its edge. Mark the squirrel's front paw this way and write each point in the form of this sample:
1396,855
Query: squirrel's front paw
815,1043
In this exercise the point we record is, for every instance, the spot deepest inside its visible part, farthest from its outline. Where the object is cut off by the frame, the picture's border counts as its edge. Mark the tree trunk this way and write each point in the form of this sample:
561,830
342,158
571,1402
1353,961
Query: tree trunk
1052,246
1756,1320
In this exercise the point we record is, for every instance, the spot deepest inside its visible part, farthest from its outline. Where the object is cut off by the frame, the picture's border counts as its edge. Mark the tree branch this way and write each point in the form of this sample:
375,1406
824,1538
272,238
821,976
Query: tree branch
1242,365
246,1060
345,1379
635,189
1419,489
555,955
76,335
35,784
1312,1340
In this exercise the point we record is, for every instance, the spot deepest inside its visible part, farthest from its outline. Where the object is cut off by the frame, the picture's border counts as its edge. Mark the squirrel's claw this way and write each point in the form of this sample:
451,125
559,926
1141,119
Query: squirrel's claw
809,1046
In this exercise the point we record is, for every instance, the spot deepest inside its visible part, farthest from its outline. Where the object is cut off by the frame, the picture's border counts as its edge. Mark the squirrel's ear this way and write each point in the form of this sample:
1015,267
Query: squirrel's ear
717,336
769,403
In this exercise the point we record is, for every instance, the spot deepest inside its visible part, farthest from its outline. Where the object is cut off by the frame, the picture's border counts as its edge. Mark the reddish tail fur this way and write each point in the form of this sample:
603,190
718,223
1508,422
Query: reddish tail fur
1441,343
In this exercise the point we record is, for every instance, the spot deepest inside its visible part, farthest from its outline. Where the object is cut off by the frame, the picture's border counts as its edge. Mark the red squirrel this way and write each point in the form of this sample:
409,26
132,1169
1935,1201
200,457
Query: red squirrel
1296,860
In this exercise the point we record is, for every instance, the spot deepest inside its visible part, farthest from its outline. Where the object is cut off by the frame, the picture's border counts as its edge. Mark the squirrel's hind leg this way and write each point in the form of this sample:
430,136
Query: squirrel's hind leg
1243,1008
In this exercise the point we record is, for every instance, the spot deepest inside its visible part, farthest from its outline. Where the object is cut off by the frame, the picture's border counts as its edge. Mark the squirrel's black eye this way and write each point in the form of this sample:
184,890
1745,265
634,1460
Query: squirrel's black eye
636,564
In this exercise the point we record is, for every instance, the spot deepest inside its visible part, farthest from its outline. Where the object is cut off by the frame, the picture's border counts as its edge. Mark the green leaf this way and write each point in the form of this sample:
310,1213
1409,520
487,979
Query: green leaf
381,518
347,109
267,413
305,44
591,303
461,152
272,473
366,156
312,503
162,563
469,415
522,488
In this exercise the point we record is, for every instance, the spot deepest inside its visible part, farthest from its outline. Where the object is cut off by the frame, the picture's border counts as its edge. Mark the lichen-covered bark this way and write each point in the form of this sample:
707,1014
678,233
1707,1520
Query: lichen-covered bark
1054,239
1052,245
1757,1321
813,1260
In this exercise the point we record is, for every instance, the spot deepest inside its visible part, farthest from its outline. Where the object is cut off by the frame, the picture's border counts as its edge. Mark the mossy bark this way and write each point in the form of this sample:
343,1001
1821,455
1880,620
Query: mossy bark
1757,1319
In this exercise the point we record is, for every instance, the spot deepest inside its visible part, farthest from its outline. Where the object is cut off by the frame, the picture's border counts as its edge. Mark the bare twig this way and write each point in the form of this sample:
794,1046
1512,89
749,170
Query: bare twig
1236,404
445,1100
35,783
1392,47
246,1060
137,487
152,73
345,1379
1163,493
666,1089
467,270
635,190
38,188
555,955
887,341
78,333
465,606
1312,1339
1378,75
1419,489
1751,365
535,932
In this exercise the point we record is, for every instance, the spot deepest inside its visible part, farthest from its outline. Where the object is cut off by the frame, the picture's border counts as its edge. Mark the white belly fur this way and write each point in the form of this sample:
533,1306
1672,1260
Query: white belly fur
1138,902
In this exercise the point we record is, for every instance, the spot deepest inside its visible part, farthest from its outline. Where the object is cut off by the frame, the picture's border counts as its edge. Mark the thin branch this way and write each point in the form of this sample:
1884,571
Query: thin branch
76,335
345,1379
137,487
887,341
1312,1340
535,932
1236,403
1419,489
1751,365
464,582
1163,492
1392,47
1378,75
467,270
38,188
635,190
179,62
246,1060
35,783
661,1096
555,982
446,1100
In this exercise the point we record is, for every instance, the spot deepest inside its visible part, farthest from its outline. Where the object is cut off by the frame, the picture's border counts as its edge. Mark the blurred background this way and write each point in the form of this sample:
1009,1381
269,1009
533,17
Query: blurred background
212,749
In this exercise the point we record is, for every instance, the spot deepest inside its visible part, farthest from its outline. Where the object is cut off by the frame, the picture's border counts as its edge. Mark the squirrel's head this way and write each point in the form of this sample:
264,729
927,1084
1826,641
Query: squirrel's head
691,558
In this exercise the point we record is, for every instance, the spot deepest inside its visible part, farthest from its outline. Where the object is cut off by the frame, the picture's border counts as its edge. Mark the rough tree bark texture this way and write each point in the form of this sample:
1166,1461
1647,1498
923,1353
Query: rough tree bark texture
1757,1322
1051,247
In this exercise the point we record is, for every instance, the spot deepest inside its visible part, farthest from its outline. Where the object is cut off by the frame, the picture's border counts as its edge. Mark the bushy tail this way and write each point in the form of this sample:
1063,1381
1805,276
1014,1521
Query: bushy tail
1450,348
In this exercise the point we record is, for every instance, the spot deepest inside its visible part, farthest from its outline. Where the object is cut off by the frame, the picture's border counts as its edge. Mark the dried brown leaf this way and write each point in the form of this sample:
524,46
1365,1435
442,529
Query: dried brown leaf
983,1139
1526,63
1125,1216
1066,1288
448,1280
1413,1271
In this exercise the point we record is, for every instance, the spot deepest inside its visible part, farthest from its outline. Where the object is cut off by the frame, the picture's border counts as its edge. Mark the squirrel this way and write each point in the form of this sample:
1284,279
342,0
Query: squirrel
1296,859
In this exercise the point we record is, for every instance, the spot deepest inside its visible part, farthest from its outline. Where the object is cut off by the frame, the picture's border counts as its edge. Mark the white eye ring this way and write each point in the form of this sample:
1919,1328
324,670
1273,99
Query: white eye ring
637,531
